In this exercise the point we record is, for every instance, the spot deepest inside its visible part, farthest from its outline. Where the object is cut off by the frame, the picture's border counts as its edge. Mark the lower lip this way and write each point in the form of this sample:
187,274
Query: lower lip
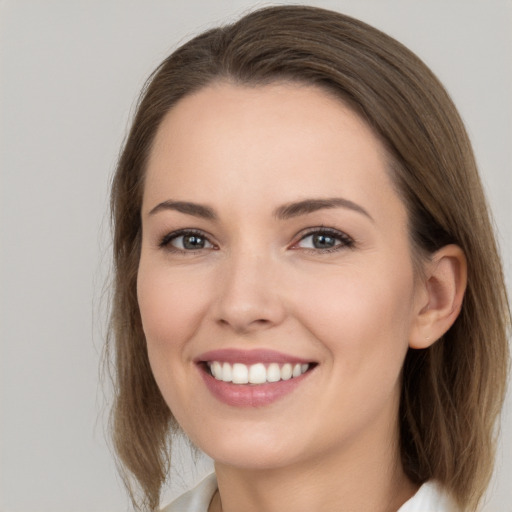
247,395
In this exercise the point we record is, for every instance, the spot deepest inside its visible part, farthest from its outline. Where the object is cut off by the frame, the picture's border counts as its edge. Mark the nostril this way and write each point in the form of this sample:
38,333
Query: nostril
244,326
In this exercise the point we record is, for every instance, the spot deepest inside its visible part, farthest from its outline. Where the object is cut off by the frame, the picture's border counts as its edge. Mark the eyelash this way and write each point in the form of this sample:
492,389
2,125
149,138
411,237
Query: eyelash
165,243
346,242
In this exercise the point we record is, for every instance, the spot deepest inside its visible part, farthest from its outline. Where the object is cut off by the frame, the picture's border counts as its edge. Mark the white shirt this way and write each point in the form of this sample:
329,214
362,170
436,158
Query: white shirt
430,498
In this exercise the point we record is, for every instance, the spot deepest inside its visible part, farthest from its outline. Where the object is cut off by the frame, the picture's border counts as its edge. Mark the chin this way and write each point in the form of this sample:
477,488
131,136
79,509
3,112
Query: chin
253,459
251,451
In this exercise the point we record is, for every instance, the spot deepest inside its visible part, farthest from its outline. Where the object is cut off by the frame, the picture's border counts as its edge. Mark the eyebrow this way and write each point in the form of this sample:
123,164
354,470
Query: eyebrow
306,206
195,209
284,212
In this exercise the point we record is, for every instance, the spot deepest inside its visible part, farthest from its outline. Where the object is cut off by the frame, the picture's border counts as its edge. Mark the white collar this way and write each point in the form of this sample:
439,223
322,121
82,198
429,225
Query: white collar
431,497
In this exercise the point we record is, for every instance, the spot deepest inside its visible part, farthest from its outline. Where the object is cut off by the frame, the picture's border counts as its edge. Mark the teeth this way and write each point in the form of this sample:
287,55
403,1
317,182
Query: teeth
286,371
216,369
258,373
227,373
273,372
240,374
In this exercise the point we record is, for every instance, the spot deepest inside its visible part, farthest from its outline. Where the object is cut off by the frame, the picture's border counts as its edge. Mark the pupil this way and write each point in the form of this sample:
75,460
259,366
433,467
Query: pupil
193,242
323,241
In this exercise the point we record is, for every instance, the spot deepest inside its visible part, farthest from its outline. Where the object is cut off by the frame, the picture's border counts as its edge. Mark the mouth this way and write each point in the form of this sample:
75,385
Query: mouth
255,374
254,378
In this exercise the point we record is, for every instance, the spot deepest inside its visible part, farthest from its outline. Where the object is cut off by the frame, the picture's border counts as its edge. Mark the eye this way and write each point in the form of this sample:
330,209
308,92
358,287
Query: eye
324,240
186,240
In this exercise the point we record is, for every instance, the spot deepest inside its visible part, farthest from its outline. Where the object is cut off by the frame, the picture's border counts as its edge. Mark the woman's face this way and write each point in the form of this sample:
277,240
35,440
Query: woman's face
274,243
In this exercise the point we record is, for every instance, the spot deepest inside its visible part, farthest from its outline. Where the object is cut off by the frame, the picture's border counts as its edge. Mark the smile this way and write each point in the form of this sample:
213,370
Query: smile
259,373
252,378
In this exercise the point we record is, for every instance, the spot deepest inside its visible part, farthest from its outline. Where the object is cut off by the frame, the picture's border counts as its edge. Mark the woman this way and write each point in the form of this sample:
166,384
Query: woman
307,282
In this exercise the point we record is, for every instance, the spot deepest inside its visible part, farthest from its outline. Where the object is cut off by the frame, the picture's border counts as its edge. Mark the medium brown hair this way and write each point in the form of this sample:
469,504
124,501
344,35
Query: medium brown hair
452,392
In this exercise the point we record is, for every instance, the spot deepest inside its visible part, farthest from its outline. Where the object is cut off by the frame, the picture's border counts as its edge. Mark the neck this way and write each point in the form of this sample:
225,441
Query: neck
360,478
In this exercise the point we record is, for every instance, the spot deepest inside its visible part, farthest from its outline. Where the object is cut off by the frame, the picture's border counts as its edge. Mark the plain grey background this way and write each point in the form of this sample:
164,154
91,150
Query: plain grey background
70,72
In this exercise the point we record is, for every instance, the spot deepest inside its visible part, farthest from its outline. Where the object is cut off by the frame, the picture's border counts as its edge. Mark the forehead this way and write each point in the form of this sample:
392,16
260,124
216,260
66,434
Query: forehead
279,140
256,110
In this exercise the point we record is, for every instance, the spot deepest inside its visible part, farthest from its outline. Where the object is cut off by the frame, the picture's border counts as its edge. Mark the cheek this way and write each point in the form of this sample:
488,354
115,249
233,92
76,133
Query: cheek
170,307
362,316
171,311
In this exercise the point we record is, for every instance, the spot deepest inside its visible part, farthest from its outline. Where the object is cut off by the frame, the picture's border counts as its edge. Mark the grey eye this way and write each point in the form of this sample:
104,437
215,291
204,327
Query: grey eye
191,242
319,241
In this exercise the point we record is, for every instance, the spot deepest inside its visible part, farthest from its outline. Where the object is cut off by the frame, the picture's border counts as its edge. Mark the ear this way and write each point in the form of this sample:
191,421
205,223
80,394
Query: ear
442,290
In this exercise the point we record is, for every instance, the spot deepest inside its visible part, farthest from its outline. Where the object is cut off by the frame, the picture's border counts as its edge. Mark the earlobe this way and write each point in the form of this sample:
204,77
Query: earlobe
444,284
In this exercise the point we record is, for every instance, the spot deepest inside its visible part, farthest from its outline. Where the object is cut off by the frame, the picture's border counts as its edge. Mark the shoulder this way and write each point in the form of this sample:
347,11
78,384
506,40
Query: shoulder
197,499
431,497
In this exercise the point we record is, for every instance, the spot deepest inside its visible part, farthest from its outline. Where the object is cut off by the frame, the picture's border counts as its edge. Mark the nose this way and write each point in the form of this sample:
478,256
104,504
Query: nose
249,296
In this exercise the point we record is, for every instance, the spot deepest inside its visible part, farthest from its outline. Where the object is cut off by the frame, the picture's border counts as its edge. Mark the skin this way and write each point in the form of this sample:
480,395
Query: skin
259,282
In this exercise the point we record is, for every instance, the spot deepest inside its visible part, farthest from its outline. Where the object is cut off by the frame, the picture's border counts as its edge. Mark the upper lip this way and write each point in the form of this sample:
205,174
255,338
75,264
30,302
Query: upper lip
231,355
